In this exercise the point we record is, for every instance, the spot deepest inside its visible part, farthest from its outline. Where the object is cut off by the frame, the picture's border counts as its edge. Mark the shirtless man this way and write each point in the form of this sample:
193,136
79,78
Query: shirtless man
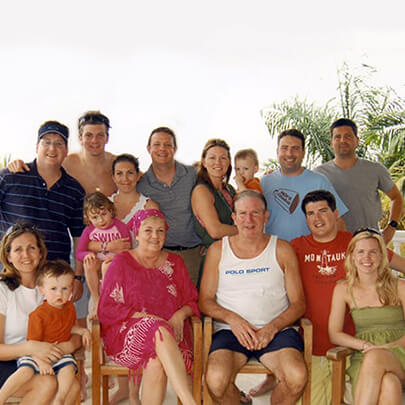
92,165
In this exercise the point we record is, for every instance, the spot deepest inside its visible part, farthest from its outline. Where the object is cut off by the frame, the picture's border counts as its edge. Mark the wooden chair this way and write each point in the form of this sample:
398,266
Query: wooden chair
341,389
255,367
79,356
102,369
338,356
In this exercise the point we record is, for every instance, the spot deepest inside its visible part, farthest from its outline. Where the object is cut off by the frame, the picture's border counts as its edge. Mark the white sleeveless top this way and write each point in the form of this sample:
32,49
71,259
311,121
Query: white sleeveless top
253,288
140,205
16,306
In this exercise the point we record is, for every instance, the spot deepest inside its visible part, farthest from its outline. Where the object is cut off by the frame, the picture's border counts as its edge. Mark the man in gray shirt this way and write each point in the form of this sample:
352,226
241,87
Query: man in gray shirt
169,183
358,181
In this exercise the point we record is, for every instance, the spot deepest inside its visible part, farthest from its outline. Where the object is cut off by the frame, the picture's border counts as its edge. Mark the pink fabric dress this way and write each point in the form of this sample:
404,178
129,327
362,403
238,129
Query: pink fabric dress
129,287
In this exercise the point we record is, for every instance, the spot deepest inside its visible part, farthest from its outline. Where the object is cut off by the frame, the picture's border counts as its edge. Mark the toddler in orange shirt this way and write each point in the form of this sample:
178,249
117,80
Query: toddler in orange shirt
246,166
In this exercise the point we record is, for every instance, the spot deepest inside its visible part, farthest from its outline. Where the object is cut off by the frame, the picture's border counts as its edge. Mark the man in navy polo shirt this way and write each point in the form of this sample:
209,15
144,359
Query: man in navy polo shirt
45,196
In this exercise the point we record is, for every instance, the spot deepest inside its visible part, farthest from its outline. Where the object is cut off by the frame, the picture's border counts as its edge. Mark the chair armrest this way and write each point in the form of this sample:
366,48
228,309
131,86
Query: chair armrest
338,356
197,337
96,349
207,324
196,322
197,355
306,326
338,353
305,323
207,340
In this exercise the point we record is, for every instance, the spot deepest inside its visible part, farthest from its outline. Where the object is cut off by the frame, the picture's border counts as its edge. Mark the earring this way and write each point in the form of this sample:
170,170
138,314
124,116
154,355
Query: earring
136,243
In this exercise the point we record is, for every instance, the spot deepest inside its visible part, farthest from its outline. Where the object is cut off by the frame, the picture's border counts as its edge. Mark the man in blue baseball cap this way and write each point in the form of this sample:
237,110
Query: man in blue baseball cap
54,127
45,196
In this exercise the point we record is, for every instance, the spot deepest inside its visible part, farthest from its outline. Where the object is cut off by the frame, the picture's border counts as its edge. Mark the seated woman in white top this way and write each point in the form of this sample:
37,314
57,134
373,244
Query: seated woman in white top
22,253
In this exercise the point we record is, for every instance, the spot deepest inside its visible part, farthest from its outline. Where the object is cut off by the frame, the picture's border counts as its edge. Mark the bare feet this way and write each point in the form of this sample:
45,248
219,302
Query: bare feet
265,386
118,396
122,394
134,401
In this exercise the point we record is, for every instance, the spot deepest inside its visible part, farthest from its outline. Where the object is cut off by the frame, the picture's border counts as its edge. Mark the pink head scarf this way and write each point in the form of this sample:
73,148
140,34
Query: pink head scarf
135,222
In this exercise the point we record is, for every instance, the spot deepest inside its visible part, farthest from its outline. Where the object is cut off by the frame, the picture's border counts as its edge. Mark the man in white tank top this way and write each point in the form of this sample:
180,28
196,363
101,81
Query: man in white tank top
251,287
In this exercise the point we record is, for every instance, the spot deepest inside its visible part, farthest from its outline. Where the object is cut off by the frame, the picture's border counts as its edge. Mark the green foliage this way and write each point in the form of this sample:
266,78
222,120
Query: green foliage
270,165
4,161
378,111
311,120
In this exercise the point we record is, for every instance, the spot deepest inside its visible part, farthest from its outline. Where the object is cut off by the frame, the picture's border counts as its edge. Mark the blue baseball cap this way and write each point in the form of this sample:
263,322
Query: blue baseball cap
54,127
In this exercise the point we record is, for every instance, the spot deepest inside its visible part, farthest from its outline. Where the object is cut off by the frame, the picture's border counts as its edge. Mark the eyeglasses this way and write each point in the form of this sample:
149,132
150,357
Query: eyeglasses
94,119
369,230
47,143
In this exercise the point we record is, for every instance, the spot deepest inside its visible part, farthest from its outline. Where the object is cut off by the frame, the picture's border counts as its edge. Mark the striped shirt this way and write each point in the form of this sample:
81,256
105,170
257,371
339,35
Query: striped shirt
25,197
175,203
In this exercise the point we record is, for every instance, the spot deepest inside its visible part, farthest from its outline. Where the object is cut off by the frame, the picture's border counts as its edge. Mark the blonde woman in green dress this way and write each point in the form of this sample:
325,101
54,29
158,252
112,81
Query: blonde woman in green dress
376,300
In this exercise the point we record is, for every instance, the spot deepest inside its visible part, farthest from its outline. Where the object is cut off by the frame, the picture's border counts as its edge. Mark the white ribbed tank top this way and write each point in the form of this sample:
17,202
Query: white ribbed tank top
253,288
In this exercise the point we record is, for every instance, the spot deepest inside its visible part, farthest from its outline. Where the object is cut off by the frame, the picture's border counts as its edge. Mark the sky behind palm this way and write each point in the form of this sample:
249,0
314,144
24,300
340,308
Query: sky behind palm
203,68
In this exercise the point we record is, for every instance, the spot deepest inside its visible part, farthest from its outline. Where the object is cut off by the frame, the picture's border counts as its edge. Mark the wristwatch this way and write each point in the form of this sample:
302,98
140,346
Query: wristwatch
80,278
393,223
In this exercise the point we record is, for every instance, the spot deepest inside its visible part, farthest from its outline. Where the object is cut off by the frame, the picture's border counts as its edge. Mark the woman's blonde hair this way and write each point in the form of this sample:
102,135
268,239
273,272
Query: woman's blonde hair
10,274
387,284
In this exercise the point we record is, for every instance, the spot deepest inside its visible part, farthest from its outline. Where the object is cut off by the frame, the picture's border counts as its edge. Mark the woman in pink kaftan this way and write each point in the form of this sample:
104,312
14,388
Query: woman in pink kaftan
146,300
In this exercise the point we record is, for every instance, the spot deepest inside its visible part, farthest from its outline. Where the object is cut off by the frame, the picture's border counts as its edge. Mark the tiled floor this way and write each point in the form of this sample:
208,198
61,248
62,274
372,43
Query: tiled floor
244,382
